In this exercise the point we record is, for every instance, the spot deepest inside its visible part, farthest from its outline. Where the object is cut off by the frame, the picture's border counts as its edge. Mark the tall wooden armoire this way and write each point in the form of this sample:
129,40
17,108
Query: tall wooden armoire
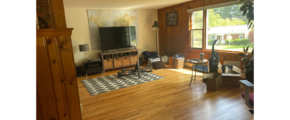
56,84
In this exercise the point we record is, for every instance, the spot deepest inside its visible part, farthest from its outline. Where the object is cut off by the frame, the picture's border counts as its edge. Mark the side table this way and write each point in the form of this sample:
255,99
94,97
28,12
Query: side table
196,63
92,67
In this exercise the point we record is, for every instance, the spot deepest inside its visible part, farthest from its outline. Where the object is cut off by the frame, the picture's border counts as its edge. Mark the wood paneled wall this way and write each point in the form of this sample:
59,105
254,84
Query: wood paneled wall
174,39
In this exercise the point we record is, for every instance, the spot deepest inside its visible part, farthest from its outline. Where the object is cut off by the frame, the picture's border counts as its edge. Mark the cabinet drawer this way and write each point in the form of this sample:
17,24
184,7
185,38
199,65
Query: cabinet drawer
126,61
117,62
108,63
94,70
134,59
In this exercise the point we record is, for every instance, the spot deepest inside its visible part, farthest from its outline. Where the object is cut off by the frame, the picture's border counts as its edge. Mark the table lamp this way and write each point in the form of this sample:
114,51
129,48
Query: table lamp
84,47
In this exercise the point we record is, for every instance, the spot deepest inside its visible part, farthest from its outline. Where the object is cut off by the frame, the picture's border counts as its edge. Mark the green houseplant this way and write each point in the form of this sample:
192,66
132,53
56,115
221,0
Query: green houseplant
248,62
248,9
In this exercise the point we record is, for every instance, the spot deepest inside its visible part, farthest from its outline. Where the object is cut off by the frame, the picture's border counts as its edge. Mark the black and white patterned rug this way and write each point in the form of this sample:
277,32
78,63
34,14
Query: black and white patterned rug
113,82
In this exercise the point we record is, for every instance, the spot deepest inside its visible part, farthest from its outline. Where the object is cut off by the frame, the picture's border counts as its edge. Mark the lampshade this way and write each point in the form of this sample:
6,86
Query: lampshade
155,26
84,47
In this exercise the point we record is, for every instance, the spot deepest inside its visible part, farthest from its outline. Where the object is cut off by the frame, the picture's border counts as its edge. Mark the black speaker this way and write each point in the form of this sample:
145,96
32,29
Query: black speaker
79,70
140,61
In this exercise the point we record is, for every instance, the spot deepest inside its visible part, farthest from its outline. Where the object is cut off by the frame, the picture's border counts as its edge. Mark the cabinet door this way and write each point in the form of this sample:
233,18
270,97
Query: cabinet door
70,79
46,102
55,62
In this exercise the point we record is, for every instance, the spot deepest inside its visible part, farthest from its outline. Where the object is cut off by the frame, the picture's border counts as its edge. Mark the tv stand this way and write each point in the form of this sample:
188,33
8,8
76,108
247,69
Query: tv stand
119,59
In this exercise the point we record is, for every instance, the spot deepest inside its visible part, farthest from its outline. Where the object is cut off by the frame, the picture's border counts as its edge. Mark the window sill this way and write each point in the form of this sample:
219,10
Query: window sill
196,48
225,51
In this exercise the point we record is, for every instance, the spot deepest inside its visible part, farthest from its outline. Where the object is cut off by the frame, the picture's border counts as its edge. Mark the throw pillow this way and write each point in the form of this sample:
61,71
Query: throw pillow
158,65
152,60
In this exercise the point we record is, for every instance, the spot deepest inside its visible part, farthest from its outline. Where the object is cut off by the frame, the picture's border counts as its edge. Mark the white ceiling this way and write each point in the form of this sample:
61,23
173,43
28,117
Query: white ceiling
121,4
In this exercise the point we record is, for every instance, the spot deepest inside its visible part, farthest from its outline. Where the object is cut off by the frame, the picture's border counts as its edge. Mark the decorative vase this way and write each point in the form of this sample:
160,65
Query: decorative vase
170,60
201,55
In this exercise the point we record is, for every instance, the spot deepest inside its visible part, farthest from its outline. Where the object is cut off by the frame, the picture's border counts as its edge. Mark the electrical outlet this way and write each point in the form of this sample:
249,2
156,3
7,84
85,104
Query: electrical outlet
162,52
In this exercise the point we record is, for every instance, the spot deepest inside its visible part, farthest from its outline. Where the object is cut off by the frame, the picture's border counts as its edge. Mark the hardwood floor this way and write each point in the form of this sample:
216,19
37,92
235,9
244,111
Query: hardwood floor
166,99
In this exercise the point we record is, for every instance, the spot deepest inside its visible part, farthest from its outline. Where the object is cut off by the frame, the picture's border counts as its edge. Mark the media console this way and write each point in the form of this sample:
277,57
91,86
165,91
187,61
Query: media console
118,59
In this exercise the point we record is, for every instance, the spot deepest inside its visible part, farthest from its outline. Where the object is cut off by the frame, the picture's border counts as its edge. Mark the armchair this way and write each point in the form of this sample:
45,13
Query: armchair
249,97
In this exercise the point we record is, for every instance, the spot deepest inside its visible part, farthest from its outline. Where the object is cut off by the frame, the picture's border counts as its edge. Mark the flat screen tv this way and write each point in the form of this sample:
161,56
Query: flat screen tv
117,37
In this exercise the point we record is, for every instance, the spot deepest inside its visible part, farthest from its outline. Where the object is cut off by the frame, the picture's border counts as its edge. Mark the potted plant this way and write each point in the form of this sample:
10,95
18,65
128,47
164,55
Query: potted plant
248,62
248,9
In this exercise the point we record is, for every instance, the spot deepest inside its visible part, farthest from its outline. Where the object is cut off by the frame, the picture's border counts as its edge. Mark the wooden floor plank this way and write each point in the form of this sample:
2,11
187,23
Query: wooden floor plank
169,98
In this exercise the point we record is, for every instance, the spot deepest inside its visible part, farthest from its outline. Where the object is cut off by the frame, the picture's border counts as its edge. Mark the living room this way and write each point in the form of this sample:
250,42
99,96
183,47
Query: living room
179,36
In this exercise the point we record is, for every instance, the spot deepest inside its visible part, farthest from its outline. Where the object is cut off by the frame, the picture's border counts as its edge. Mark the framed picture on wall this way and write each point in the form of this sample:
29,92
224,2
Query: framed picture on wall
171,18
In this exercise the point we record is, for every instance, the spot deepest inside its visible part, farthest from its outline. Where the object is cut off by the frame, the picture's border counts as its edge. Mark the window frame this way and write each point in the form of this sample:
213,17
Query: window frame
203,31
204,37
201,39
240,36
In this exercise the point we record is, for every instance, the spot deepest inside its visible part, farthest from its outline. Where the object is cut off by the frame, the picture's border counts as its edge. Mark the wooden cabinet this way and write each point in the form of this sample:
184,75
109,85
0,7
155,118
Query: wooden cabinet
124,58
56,84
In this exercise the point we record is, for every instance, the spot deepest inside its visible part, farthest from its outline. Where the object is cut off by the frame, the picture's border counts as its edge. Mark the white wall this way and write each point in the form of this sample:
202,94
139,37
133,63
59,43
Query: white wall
77,19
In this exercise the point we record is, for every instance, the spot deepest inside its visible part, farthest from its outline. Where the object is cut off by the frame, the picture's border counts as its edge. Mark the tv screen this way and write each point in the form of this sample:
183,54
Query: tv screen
117,37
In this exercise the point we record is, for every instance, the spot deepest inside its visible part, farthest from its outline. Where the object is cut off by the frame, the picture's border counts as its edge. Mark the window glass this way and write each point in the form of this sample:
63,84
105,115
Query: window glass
196,38
197,28
230,26
241,36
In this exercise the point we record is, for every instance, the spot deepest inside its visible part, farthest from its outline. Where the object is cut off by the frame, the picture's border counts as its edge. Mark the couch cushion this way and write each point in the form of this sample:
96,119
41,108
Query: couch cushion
251,98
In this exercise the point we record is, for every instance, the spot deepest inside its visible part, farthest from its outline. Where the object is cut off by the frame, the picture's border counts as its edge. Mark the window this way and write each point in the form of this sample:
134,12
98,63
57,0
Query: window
247,36
197,29
240,36
227,24
224,22
230,24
